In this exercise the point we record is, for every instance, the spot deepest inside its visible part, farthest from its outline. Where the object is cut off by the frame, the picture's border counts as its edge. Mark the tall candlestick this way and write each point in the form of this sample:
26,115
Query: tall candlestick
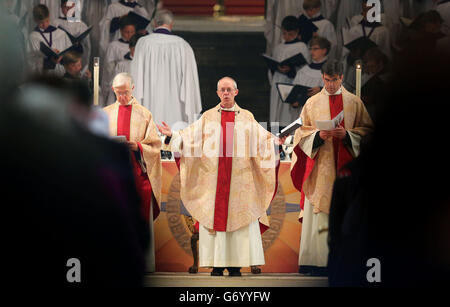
358,79
96,79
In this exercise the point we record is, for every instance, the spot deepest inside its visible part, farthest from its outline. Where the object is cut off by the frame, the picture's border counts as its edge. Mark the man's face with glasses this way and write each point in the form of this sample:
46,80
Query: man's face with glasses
317,53
332,83
226,92
123,93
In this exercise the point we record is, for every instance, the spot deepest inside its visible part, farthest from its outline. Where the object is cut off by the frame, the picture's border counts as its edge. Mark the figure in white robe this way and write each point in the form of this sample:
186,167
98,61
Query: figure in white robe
280,112
115,53
113,12
75,29
276,11
166,77
54,38
325,29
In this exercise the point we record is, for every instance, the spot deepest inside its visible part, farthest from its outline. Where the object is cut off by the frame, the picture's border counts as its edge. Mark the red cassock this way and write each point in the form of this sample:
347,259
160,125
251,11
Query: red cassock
304,165
143,185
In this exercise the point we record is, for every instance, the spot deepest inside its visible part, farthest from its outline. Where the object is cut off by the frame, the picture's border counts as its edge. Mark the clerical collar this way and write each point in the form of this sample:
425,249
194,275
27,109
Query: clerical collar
317,65
296,40
233,108
162,30
132,4
123,41
316,17
128,56
49,29
338,92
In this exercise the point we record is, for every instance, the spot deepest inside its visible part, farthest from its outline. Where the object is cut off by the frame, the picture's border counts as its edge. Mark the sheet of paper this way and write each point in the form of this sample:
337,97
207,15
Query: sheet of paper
330,124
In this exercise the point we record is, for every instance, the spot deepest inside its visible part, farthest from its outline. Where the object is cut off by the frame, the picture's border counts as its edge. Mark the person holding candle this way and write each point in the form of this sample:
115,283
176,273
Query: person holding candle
318,158
128,118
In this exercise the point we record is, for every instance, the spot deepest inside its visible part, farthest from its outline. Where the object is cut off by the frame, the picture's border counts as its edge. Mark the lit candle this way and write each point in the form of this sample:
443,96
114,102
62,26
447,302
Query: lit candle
358,79
96,79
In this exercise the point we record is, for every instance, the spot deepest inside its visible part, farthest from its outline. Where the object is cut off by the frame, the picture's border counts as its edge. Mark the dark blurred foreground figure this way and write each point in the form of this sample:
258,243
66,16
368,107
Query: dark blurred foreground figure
71,195
395,205
66,192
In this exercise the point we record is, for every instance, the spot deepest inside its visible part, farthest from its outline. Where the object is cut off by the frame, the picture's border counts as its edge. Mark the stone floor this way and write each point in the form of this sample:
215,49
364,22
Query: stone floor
246,280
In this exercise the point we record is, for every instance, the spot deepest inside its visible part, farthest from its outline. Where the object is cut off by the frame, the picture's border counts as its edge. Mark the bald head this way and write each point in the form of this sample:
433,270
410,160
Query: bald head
229,79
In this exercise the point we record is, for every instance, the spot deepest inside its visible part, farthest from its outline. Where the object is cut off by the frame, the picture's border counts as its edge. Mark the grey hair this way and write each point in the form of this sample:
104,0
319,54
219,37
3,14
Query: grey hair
122,78
234,82
163,17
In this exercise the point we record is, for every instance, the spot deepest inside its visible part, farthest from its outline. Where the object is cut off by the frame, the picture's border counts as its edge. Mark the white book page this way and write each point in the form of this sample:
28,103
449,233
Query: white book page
330,124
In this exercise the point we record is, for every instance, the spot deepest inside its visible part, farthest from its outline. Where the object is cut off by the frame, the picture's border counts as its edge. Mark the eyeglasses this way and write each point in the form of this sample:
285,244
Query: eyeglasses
122,93
229,90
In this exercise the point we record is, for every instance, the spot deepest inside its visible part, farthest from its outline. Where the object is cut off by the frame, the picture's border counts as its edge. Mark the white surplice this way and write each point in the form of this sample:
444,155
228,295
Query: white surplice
276,11
60,41
279,111
116,10
166,78
115,53
76,29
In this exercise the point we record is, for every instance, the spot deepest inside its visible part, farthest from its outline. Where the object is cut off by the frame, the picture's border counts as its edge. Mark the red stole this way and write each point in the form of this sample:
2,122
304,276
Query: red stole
224,175
143,185
224,172
341,154
304,164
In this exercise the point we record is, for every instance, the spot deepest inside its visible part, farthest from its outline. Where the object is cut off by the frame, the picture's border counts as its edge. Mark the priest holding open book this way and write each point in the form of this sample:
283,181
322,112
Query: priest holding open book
334,121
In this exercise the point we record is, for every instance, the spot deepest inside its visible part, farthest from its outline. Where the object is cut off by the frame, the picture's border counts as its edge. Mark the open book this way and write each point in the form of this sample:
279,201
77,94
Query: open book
140,22
296,60
290,93
79,38
50,53
307,28
290,128
330,124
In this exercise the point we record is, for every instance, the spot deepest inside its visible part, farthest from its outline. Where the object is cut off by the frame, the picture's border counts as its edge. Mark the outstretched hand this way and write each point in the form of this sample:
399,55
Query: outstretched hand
280,141
165,129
